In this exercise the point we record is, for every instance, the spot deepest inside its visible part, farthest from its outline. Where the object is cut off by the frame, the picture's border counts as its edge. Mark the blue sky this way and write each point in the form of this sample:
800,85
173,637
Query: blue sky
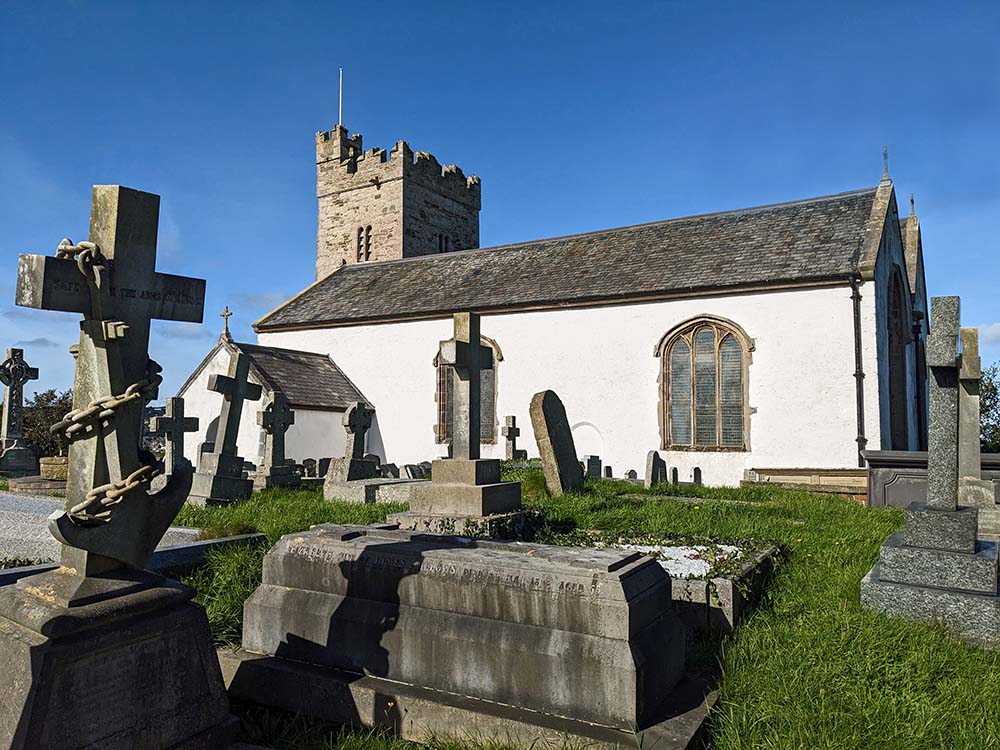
577,116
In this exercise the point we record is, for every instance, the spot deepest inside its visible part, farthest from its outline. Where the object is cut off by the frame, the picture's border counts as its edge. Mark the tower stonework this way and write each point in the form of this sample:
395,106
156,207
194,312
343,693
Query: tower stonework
375,205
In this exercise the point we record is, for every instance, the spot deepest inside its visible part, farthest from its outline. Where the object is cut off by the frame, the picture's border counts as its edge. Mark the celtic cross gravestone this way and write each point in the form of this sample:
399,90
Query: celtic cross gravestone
15,457
274,421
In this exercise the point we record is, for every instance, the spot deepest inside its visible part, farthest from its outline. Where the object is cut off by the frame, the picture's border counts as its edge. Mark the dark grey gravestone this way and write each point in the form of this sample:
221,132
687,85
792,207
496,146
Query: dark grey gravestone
173,424
389,471
16,458
99,652
323,467
511,433
220,477
632,474
592,466
274,421
936,570
656,470
354,466
555,444
607,472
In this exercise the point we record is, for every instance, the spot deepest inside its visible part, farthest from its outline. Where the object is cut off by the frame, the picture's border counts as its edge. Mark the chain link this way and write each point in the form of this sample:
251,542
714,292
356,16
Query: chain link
88,255
110,494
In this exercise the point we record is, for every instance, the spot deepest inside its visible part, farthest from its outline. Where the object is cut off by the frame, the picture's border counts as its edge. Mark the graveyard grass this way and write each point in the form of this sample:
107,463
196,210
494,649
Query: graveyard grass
809,669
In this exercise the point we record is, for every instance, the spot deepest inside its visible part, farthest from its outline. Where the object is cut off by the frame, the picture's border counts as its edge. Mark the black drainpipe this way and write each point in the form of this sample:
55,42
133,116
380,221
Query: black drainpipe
859,370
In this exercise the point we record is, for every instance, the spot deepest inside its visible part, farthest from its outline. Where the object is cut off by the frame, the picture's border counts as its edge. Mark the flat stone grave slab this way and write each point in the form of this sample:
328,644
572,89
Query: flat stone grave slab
24,529
379,490
37,485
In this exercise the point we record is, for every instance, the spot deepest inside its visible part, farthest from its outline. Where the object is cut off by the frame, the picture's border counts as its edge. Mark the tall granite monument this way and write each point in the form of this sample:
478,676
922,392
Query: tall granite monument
936,569
16,458
220,477
275,420
99,652
465,494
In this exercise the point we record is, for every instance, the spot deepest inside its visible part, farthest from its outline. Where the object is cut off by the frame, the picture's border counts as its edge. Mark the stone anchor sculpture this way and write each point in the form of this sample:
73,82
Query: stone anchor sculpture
16,459
99,622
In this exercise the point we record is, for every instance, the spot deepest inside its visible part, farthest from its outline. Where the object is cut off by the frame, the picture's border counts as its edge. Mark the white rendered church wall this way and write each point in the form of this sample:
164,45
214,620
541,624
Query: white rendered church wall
600,361
315,434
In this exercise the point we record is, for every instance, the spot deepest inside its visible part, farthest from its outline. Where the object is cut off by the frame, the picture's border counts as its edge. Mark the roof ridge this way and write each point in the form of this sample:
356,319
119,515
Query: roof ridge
600,232
283,349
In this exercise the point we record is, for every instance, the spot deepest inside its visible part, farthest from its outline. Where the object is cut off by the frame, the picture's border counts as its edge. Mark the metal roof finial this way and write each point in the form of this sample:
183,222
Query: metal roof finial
226,315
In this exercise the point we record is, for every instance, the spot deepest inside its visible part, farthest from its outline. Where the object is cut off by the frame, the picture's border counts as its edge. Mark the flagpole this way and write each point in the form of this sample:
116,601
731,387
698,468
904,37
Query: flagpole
340,110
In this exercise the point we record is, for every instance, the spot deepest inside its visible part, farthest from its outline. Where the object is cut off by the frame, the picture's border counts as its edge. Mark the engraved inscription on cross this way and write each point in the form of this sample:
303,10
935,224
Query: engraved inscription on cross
235,389
468,358
173,425
357,420
14,374
275,419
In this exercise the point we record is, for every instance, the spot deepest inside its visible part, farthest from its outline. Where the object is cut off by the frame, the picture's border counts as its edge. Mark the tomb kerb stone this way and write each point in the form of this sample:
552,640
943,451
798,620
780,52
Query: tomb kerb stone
465,488
555,444
99,626
16,458
275,420
173,424
220,477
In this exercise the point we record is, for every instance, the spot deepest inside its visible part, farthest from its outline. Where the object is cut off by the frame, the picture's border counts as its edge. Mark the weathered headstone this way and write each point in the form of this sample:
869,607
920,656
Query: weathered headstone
631,474
173,425
100,653
555,444
16,458
511,433
220,477
972,489
936,569
465,492
607,472
389,471
592,467
274,421
309,468
353,466
656,470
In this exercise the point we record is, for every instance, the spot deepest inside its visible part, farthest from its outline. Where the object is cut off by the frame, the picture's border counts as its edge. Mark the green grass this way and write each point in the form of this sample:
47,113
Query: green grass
809,669
3,484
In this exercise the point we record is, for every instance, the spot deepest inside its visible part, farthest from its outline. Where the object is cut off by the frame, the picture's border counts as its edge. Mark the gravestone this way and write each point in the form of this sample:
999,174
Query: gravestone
465,494
607,472
511,433
220,477
274,421
973,490
656,470
16,458
389,471
99,652
936,569
309,468
323,466
632,474
173,425
592,466
555,444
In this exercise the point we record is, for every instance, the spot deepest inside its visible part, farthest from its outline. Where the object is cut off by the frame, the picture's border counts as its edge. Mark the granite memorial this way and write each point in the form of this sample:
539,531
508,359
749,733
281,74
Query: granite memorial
16,458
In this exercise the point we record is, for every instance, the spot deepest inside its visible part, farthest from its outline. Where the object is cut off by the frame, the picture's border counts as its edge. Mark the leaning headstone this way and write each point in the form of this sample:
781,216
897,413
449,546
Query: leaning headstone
465,494
592,467
555,444
16,458
389,471
412,471
100,653
274,421
511,433
936,570
173,424
427,467
656,470
220,477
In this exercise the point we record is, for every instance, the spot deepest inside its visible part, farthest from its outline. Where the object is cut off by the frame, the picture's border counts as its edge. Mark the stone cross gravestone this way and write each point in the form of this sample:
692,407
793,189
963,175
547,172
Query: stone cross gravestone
511,433
972,489
656,470
98,625
220,476
464,489
16,458
173,424
936,569
555,444
353,466
275,420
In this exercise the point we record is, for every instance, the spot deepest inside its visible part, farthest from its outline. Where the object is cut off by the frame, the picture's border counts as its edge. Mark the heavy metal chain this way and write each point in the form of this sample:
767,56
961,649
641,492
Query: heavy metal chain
79,423
88,256
110,494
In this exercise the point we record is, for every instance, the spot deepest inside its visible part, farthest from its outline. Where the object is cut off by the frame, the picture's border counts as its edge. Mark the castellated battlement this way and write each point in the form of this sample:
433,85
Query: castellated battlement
342,164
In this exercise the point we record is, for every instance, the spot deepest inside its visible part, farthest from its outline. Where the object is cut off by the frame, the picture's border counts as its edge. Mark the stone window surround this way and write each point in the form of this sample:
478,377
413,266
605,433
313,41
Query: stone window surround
724,326
497,358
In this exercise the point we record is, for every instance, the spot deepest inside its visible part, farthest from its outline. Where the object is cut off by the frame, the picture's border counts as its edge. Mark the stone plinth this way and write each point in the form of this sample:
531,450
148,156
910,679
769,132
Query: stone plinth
18,461
269,478
130,666
369,490
462,492
54,467
220,479
585,634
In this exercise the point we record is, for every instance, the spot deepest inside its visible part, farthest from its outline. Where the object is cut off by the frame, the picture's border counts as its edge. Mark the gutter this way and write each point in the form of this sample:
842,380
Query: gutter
859,370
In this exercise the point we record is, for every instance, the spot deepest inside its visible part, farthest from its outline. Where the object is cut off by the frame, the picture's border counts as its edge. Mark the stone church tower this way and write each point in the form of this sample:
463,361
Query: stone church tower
378,206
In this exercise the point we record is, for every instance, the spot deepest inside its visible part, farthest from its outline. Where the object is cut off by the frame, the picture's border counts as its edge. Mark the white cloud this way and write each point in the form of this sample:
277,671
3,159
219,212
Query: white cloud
990,333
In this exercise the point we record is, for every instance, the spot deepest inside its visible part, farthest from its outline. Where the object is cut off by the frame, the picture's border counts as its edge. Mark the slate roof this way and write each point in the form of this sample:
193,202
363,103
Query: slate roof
810,240
309,380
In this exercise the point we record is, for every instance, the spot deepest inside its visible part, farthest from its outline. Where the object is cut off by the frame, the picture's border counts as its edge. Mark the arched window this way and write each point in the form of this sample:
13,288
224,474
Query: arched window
487,396
364,243
704,386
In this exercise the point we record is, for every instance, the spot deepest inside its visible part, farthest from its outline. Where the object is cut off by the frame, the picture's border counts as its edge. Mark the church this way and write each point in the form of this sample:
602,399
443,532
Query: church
788,335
